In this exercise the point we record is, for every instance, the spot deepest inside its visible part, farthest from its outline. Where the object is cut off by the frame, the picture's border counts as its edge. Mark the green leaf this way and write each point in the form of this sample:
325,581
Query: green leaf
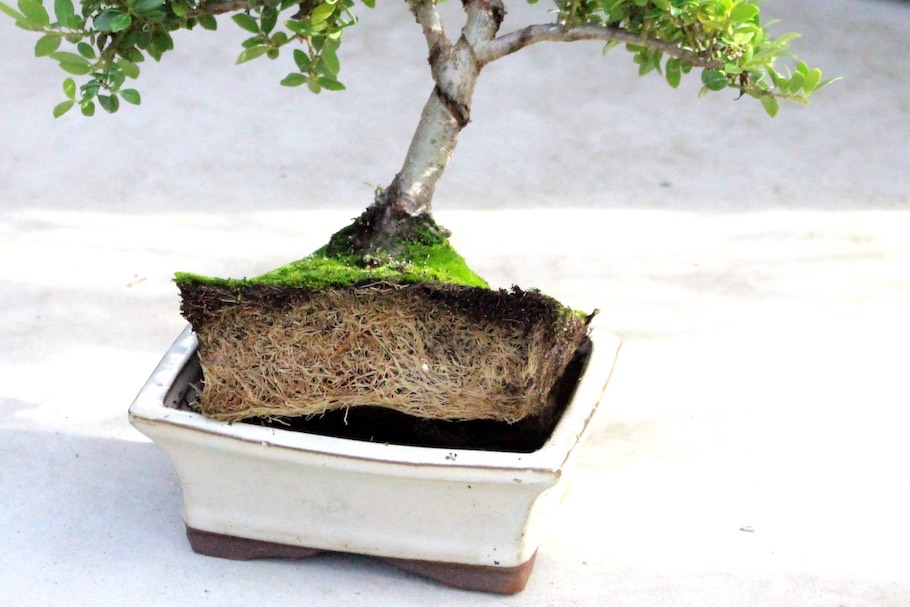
75,69
69,88
714,80
269,18
322,13
771,105
251,53
65,57
86,50
294,79
88,108
330,60
64,10
133,55
34,12
304,28
143,6
46,45
90,89
208,22
256,40
743,12
61,108
10,11
116,80
129,69
109,103
825,83
302,60
121,22
131,96
72,63
246,22
330,84
103,21
372,3
776,77
163,41
673,72
812,80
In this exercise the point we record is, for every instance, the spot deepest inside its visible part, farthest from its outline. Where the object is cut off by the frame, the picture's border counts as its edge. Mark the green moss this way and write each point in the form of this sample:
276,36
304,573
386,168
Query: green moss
429,259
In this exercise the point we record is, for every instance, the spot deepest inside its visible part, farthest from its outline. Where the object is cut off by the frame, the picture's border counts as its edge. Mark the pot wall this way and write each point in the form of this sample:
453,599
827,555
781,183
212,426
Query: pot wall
455,506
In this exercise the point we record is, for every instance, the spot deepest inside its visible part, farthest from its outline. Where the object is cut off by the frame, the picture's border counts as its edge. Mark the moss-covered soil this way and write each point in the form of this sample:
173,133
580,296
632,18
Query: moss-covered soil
396,335
424,256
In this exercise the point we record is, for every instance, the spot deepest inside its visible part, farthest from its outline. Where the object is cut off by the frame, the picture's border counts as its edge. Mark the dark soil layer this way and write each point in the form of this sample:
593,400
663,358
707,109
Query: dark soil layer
201,302
379,425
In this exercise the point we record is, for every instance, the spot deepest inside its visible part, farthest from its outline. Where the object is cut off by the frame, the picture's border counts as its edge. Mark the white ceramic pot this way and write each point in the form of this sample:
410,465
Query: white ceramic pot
467,518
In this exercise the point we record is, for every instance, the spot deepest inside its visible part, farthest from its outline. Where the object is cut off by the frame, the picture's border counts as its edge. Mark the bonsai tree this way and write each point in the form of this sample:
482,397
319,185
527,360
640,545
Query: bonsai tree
105,42
396,241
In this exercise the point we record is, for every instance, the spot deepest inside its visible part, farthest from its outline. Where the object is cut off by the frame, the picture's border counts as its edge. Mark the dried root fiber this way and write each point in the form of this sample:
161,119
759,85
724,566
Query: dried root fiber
432,351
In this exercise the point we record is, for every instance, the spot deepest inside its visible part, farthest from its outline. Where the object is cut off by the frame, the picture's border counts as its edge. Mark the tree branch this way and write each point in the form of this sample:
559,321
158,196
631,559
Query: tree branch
483,20
509,43
218,7
427,16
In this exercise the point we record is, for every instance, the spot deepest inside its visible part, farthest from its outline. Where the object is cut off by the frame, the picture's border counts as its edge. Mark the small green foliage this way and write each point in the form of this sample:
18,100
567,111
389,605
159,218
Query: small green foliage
109,37
725,34
34,13
435,263
714,80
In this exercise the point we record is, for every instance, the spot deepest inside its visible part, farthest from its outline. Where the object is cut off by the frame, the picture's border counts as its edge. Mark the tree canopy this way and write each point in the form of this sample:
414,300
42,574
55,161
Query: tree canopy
102,42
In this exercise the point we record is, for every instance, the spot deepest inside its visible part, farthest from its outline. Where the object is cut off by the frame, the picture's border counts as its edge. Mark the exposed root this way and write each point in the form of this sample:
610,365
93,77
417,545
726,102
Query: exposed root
455,353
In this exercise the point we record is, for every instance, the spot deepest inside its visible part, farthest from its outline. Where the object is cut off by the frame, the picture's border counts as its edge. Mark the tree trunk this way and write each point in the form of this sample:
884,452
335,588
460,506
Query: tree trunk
455,68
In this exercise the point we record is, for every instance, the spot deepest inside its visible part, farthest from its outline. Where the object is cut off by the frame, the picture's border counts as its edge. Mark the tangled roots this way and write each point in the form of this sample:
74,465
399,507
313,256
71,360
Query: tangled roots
441,352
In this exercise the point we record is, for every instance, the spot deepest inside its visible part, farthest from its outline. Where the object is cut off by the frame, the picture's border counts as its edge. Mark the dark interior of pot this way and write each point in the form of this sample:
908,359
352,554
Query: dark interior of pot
379,425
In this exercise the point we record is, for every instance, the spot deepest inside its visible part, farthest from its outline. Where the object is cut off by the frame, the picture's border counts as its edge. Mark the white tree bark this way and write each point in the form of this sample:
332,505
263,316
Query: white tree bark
455,68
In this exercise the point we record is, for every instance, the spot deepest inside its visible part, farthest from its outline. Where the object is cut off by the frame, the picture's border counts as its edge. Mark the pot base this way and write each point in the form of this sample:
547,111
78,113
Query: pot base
501,580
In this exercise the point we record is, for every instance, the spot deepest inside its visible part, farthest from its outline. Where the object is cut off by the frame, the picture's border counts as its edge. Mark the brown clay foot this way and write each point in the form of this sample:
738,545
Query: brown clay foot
242,549
501,580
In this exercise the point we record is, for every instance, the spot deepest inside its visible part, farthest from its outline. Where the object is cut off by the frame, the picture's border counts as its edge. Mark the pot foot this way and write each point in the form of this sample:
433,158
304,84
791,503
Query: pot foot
482,578
500,580
242,549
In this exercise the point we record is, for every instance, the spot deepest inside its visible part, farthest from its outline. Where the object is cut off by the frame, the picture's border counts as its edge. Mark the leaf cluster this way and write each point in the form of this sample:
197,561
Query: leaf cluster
317,27
107,39
95,51
725,37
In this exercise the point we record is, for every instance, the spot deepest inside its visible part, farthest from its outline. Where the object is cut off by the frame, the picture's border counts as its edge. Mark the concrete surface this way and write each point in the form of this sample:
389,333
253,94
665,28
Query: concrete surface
752,448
